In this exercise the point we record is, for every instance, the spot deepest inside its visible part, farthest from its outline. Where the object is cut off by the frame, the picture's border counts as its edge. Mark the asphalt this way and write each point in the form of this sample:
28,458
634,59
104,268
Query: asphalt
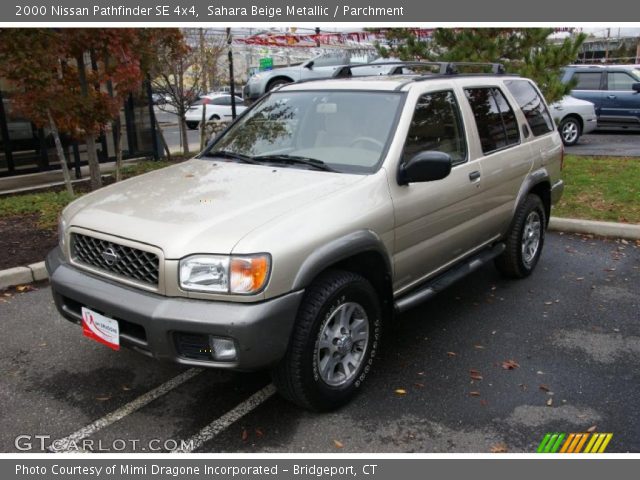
608,143
572,329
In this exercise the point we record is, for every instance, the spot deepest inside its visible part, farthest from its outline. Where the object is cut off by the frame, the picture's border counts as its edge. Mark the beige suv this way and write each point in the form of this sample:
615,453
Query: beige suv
321,213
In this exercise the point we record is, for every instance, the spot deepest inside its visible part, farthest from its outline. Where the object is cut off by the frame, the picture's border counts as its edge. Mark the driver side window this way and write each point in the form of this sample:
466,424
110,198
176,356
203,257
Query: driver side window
437,125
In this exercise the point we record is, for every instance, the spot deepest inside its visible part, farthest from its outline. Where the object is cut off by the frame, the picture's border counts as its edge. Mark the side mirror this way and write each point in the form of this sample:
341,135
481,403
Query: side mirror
636,86
309,65
425,167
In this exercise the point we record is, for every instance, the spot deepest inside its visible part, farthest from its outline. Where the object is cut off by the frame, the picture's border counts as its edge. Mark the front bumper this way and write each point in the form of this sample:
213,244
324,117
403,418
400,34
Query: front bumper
155,325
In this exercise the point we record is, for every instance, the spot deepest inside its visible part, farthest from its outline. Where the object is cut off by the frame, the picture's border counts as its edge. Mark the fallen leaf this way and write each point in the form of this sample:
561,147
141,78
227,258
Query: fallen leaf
23,288
338,444
103,398
479,347
126,388
499,448
545,388
452,354
400,391
475,374
189,175
591,429
245,435
549,402
540,372
419,385
548,303
579,279
510,364
523,386
259,433
474,394
420,373
611,269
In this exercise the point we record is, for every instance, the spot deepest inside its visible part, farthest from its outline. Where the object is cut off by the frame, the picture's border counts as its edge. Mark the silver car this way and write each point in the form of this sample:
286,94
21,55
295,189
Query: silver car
321,66
301,232
574,118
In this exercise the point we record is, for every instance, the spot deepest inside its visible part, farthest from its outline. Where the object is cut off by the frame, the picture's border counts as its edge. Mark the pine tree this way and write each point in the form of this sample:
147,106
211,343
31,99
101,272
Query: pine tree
524,51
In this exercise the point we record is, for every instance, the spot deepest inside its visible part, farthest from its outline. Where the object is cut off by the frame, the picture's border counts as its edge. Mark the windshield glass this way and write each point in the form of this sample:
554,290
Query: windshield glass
346,130
636,74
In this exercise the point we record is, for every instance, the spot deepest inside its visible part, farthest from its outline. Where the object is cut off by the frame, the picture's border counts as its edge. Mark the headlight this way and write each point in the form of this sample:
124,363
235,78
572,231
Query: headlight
244,274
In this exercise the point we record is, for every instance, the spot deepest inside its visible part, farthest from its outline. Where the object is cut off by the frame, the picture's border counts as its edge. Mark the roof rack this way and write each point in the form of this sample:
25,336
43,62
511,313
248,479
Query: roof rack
443,68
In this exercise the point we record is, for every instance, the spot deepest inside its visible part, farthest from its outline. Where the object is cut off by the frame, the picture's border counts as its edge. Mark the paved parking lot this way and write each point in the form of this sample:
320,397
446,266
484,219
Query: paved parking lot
572,331
608,143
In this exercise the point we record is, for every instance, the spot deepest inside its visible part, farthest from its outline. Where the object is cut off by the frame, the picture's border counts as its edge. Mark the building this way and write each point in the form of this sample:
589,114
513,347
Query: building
27,149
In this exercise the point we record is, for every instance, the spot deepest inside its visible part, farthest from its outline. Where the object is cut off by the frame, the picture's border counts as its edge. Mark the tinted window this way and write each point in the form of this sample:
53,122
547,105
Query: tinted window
532,106
587,80
619,81
496,122
436,125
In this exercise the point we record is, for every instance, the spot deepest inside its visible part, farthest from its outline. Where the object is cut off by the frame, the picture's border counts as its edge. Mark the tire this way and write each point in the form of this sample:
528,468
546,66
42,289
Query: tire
570,130
276,83
192,125
525,240
319,340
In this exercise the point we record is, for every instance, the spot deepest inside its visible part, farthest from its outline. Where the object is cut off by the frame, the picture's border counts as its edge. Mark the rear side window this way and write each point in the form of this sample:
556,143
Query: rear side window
532,105
587,80
437,125
496,122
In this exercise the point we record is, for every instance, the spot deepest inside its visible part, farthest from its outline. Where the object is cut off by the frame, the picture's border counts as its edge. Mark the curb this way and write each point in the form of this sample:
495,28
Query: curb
602,229
23,275
37,271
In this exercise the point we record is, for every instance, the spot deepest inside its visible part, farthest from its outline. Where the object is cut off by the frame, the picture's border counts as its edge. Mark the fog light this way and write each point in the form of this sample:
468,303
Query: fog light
222,348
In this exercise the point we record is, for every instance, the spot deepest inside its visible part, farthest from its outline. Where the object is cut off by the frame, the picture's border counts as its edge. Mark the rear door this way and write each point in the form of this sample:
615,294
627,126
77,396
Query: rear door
506,158
589,87
621,104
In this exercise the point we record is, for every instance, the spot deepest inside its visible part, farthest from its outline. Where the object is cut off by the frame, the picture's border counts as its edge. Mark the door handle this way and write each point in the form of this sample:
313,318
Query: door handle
473,176
611,97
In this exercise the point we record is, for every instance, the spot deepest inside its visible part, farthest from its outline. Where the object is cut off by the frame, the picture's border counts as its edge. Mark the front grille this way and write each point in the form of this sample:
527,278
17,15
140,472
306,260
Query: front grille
127,262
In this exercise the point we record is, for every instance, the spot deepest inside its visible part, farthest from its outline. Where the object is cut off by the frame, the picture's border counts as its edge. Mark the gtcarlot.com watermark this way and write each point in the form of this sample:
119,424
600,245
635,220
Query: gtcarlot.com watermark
44,443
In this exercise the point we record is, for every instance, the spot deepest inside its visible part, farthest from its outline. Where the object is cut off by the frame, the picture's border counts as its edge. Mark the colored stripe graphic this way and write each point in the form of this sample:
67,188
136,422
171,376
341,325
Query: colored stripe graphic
574,443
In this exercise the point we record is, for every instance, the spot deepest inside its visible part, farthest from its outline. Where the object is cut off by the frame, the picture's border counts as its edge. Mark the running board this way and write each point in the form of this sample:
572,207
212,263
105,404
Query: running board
439,283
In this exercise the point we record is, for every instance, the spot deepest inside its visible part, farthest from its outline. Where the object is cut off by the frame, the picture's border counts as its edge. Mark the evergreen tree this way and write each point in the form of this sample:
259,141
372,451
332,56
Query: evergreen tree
525,51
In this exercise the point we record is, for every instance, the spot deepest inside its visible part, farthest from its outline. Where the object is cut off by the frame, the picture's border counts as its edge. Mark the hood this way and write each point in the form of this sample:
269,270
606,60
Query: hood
201,206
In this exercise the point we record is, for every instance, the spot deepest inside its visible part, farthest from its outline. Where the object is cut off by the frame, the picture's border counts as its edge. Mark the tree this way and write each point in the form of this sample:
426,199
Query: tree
61,78
525,51
177,75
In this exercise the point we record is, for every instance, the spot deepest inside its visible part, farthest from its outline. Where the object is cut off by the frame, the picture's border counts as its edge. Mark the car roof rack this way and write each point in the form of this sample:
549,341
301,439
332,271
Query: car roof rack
443,68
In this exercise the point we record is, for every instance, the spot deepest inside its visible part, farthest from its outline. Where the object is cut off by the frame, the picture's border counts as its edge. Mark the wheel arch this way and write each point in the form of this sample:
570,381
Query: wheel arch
538,183
275,79
361,252
575,116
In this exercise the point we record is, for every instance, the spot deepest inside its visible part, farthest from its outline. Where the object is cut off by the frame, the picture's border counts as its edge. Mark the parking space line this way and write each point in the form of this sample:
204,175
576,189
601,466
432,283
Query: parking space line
222,423
69,443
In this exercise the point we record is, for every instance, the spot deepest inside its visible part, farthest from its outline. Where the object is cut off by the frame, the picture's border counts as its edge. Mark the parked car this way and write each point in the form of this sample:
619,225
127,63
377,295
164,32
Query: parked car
574,118
216,107
301,232
321,66
613,89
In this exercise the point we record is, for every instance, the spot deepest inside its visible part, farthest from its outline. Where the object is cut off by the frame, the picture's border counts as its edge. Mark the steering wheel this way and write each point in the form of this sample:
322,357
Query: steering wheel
375,142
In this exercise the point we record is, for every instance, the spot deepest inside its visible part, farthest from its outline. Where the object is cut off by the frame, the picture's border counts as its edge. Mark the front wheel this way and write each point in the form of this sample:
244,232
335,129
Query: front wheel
335,339
570,131
525,239
192,125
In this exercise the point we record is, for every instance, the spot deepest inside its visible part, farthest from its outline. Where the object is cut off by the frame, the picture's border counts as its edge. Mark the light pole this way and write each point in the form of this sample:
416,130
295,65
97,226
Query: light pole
232,83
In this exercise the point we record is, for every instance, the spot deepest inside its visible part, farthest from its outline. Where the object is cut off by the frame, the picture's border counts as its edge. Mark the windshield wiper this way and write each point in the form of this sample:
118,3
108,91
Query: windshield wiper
311,162
232,156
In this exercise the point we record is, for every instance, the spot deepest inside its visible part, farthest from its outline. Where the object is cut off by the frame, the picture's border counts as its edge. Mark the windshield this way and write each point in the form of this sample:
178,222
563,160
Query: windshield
636,73
346,130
